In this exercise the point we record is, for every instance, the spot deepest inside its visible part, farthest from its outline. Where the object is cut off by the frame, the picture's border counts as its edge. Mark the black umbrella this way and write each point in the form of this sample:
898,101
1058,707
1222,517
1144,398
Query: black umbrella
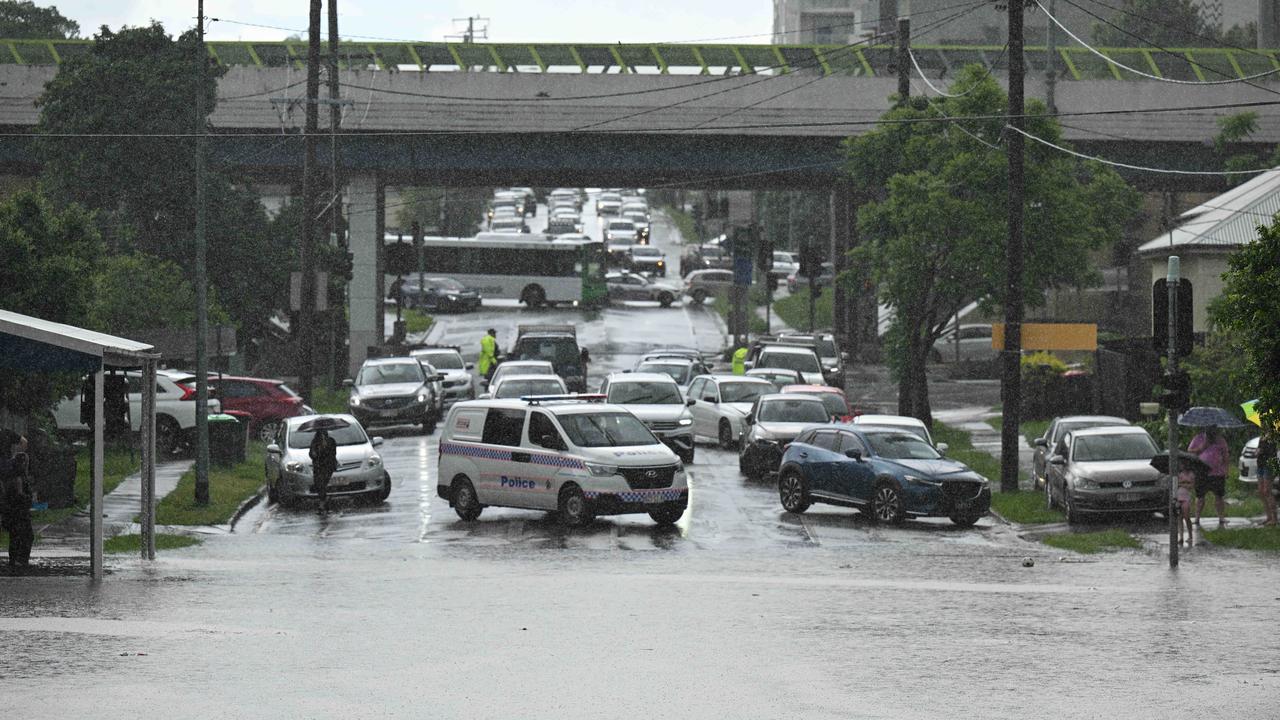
1209,417
1186,461
324,422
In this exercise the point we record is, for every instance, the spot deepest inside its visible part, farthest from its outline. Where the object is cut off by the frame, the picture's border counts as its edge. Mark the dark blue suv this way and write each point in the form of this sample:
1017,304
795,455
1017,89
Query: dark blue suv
884,472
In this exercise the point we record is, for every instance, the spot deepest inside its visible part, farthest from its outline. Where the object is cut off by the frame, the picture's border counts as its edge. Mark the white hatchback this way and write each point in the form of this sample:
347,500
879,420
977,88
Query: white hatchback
575,456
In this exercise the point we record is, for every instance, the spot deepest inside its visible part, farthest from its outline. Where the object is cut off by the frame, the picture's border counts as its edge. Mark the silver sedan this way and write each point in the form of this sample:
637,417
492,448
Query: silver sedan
360,472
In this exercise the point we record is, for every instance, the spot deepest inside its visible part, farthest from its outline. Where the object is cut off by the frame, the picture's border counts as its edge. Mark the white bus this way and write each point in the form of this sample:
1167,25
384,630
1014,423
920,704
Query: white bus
534,268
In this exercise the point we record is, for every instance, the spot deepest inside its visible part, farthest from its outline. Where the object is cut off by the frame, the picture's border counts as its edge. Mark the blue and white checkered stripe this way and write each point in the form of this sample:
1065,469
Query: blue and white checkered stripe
640,496
558,461
473,451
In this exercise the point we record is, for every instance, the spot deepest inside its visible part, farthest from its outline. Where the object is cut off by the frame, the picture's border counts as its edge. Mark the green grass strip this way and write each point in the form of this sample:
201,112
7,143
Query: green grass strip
1264,539
133,543
228,488
794,309
416,321
1092,542
1023,508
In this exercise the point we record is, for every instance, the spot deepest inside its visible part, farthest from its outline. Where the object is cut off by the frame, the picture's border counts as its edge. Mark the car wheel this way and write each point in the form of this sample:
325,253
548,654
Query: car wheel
429,423
534,296
886,504
667,514
699,296
726,435
1074,516
273,496
168,436
964,521
1049,502
465,501
575,509
686,457
267,430
665,300
381,494
793,491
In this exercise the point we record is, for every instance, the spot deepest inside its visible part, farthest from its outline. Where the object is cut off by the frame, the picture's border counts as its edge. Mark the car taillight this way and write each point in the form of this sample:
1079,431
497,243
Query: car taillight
188,393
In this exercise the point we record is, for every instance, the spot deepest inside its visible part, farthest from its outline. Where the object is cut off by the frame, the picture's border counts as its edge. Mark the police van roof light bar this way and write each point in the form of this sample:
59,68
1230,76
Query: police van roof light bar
573,397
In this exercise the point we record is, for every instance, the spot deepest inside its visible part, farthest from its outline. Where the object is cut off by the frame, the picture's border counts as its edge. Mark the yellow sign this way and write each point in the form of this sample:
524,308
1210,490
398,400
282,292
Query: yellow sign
1051,336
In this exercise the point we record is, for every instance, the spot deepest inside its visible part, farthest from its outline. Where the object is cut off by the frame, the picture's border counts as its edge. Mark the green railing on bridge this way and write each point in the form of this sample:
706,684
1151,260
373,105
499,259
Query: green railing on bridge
1076,63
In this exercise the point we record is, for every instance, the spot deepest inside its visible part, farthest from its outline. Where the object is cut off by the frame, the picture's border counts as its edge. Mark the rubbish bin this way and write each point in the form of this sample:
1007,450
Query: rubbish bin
53,467
227,436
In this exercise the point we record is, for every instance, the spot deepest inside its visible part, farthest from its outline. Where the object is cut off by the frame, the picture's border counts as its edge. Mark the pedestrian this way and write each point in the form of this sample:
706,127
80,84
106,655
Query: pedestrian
397,294
1211,447
1186,486
488,354
740,361
17,491
1268,468
324,461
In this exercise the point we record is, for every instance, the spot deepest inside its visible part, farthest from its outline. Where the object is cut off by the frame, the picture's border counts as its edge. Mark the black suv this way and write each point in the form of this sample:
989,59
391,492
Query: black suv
557,344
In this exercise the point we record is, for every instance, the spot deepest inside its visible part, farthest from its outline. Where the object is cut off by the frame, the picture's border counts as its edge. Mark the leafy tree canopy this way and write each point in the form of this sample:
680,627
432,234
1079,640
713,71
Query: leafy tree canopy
134,293
452,212
1251,307
933,234
24,19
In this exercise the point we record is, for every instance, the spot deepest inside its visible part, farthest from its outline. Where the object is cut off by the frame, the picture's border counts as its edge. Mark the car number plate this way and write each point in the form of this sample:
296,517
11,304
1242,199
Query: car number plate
962,505
1128,497
653,498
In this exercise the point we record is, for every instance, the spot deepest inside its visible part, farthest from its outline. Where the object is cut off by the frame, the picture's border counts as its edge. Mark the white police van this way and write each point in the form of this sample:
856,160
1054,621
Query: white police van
571,454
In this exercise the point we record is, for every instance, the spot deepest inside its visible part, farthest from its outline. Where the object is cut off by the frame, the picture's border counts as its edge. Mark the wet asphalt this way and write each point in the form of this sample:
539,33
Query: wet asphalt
741,611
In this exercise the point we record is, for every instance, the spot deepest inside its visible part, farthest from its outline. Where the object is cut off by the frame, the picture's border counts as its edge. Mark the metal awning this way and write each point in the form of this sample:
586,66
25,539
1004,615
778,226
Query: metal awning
31,344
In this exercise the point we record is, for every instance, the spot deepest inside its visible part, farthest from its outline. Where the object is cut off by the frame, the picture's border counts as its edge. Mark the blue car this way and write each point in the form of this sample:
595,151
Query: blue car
888,473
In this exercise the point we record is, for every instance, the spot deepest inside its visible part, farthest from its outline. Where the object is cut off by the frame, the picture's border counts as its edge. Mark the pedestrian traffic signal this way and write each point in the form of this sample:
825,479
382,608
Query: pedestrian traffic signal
1177,390
1160,317
764,254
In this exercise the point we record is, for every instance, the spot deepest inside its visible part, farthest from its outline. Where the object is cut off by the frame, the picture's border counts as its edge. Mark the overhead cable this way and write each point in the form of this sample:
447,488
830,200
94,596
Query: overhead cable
1113,163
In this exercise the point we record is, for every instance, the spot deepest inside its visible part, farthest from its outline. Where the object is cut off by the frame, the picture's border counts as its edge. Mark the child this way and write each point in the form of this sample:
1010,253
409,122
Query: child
1186,486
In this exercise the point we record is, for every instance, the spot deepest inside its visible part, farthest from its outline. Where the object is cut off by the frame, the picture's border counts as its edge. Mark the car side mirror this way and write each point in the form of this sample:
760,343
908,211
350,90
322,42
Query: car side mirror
376,441
748,364
273,449
437,378
751,419
1041,442
483,396
470,366
943,447
690,402
853,454
1058,460
713,401
348,383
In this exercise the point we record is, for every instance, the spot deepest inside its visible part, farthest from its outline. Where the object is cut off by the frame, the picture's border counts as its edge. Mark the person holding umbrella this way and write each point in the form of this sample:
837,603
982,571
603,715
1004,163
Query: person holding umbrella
324,461
1267,467
1211,447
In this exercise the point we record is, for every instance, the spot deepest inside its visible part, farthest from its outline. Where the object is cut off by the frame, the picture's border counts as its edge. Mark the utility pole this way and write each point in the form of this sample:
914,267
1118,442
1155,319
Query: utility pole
904,51
1051,61
202,280
1173,279
335,199
306,313
1011,382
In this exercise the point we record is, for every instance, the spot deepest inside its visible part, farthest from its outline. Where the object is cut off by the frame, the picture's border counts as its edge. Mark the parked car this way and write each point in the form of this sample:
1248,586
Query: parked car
1106,470
779,377
772,423
647,259
630,286
518,386
792,357
1249,461
360,470
267,402
459,382
521,367
971,344
563,225
885,473
670,351
702,284
833,398
720,406
785,264
825,279
829,354
557,344
680,369
394,391
175,409
915,426
608,203
1059,427
657,400
439,294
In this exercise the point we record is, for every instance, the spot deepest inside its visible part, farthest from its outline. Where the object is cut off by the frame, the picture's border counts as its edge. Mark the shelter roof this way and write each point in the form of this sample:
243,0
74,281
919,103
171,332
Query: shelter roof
31,343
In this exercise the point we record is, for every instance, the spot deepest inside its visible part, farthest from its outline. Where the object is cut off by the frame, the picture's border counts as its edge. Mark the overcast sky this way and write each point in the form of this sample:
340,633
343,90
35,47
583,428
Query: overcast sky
509,20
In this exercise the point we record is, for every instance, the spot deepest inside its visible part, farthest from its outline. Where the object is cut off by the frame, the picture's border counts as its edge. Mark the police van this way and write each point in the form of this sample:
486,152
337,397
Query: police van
571,454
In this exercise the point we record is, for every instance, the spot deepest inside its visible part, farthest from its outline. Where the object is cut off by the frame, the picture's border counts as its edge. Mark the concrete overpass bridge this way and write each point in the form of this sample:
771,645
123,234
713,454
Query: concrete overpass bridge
719,116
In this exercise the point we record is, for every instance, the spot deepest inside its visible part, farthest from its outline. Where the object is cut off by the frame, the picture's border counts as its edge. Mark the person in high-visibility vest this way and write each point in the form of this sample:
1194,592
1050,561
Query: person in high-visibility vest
488,353
740,361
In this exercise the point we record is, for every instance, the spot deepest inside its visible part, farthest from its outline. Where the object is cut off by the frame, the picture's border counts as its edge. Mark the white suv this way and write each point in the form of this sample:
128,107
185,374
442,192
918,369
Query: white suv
578,457
175,409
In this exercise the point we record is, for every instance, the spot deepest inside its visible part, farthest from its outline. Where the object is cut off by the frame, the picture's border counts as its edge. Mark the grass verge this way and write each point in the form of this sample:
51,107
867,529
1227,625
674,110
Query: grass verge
117,464
133,543
1024,508
328,400
1092,542
755,324
684,223
228,488
1254,538
794,309
416,321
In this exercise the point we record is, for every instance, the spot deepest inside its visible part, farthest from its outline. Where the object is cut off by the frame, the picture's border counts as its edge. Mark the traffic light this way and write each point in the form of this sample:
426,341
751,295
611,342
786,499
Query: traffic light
764,254
1177,390
1160,317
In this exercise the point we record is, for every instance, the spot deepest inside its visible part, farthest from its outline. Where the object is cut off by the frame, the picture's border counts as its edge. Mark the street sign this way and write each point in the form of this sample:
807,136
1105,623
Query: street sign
1051,336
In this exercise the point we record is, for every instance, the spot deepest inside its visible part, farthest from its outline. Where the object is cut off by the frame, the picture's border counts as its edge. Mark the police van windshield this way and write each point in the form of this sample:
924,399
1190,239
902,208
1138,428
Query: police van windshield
606,430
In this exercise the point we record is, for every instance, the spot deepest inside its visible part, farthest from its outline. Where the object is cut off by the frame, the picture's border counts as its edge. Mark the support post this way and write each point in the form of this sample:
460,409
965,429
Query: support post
149,476
306,313
1051,61
380,260
201,276
841,241
904,51
1011,382
1173,275
365,305
95,494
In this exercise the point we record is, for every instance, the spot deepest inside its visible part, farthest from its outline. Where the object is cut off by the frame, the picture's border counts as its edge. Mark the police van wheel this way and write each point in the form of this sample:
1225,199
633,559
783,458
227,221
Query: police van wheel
667,514
699,296
575,509
665,300
465,502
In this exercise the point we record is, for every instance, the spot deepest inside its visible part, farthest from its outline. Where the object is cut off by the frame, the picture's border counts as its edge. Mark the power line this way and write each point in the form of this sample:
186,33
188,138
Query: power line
1169,26
943,93
1135,71
1127,166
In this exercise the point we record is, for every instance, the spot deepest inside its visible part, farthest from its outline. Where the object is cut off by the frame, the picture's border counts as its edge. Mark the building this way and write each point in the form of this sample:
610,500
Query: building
1212,231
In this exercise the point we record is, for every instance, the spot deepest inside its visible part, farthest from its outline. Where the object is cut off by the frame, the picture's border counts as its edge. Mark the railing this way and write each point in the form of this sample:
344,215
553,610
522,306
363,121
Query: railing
1075,63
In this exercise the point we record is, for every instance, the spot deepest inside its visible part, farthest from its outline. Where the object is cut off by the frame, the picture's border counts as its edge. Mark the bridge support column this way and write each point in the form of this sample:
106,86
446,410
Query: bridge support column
854,305
840,243
365,304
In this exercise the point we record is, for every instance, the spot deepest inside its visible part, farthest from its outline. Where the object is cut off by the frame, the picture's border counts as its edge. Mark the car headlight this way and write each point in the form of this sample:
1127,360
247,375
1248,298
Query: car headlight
355,401
1087,483
600,470
422,397
373,461
920,482
684,421
297,467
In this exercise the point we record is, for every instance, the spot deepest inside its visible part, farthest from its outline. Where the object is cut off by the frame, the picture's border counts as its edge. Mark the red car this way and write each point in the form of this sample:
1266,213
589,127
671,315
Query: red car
833,398
267,402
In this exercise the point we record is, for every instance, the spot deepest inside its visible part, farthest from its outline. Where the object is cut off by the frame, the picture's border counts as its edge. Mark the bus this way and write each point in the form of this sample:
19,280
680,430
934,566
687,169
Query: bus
533,268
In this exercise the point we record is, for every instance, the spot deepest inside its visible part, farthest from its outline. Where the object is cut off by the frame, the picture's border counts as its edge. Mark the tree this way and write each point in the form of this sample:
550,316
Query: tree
1219,369
24,19
1161,23
47,260
1233,132
453,212
1251,307
933,231
134,293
